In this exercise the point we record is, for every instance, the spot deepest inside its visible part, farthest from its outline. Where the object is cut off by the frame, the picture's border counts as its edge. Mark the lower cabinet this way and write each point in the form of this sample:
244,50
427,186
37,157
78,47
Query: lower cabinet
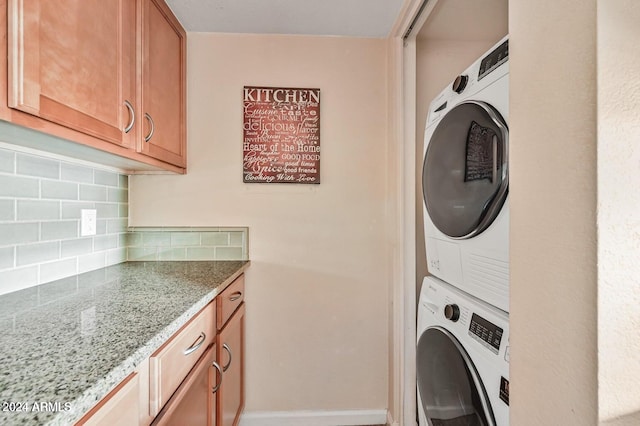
194,403
119,407
196,378
173,361
230,342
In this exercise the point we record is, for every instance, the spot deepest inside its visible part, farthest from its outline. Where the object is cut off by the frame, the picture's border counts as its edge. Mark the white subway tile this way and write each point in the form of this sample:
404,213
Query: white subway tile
37,253
7,257
37,166
59,269
18,233
18,279
53,189
14,186
92,261
38,210
7,210
7,161
74,173
61,230
101,177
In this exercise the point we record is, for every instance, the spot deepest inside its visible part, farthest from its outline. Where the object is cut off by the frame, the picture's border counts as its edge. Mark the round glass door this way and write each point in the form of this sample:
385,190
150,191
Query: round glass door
451,392
464,175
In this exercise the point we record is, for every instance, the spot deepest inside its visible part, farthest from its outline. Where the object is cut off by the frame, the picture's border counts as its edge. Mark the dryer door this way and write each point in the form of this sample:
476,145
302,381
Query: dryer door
451,391
464,175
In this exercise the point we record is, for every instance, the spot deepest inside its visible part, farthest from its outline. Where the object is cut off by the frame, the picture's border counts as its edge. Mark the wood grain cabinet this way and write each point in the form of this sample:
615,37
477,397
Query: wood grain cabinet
194,403
119,407
171,363
163,84
72,62
196,378
230,341
96,71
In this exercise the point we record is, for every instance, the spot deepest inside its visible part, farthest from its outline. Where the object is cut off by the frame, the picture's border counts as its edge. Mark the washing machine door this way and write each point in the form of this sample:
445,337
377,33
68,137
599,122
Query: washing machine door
451,391
464,175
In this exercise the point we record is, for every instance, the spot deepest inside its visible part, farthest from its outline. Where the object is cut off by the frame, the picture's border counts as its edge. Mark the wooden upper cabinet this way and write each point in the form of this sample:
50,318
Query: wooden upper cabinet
73,62
163,84
107,75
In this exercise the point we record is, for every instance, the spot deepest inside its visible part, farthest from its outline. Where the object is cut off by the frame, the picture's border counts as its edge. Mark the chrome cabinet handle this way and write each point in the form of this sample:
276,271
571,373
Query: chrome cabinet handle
235,296
194,347
215,388
228,349
132,115
153,127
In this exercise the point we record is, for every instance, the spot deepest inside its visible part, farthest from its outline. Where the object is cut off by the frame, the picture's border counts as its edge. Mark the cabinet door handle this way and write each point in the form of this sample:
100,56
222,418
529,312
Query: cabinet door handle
199,341
235,296
215,388
132,116
152,127
228,349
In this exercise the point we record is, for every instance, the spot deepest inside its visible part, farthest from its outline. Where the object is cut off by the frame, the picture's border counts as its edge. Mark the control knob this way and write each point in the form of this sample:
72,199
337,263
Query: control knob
452,312
460,83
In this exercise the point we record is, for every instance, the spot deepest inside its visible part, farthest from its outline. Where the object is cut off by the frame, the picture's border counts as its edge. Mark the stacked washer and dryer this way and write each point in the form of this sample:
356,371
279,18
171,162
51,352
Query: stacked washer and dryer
463,311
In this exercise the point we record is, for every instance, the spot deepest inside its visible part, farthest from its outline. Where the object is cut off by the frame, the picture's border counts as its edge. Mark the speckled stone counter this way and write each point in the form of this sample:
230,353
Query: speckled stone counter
64,345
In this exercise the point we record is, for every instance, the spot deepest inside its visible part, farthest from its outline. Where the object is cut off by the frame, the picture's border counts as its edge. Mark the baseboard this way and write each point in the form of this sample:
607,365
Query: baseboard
314,418
390,421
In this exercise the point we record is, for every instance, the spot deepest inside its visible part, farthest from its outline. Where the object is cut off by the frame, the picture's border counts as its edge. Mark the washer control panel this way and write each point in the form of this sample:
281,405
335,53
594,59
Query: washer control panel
485,332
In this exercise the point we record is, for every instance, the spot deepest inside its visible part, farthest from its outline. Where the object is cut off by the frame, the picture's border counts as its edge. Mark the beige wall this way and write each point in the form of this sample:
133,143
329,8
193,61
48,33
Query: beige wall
553,212
317,289
619,211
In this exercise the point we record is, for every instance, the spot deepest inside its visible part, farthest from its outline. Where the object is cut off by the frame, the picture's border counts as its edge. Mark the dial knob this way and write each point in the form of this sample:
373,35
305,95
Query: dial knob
460,83
452,312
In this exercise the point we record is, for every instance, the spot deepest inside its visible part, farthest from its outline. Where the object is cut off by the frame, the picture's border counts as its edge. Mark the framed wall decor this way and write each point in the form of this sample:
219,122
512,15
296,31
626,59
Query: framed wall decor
281,135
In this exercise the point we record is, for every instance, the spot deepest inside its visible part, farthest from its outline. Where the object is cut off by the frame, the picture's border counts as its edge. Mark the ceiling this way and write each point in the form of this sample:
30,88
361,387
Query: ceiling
352,18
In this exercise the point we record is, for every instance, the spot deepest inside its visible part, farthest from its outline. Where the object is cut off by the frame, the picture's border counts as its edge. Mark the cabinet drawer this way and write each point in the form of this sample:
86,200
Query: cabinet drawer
229,300
170,364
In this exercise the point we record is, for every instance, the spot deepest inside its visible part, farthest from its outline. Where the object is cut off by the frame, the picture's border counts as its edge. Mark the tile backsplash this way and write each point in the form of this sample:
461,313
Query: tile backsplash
40,203
187,243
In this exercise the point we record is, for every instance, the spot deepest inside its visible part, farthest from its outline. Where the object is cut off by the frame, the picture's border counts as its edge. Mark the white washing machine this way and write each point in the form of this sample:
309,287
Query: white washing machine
462,359
465,180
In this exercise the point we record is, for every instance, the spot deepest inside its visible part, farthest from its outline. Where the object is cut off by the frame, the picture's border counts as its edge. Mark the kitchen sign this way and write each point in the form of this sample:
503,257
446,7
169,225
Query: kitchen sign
281,135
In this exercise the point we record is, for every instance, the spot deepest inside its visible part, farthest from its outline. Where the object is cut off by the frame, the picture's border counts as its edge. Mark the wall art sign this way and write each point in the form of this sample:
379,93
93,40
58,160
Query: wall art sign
281,135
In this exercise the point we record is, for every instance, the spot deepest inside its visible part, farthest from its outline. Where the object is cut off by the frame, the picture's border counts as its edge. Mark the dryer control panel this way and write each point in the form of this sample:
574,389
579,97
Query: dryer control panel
494,59
487,333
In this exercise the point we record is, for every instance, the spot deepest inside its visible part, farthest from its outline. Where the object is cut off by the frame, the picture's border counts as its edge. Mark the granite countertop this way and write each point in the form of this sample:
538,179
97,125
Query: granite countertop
64,345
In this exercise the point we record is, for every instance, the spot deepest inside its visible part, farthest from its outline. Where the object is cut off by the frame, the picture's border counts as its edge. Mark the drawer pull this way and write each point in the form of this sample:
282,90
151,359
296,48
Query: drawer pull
215,388
132,114
228,349
235,296
199,341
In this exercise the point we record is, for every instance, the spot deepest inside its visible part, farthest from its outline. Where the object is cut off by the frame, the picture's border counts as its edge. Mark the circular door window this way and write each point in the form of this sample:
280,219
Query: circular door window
451,392
464,175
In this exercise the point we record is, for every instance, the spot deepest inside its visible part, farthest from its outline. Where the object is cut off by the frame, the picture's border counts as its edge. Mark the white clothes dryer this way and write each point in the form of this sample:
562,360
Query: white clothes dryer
465,180
462,359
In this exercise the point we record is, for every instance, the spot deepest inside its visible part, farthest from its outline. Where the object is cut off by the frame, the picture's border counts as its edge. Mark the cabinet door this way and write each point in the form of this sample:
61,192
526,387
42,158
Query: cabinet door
119,407
163,84
231,358
194,403
72,62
